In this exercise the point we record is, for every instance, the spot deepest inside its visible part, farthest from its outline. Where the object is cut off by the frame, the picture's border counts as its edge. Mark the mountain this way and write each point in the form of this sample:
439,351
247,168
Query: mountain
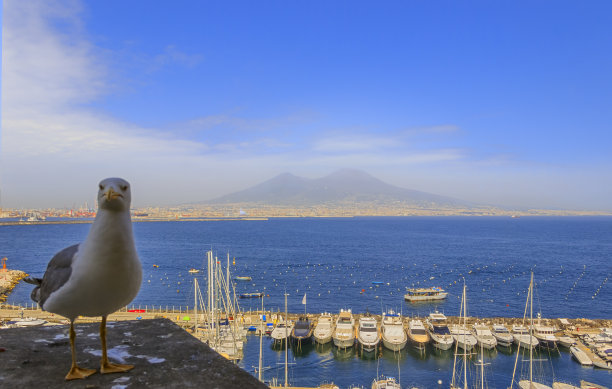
341,187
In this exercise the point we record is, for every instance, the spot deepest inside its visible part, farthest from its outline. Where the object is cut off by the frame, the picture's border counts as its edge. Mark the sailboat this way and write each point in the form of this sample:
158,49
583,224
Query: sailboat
460,375
529,383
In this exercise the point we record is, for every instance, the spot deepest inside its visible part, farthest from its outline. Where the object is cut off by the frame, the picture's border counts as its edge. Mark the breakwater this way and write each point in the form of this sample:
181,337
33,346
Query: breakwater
8,280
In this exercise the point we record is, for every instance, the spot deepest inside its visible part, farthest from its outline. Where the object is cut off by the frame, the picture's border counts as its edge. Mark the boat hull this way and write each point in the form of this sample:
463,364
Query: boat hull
394,345
441,343
344,342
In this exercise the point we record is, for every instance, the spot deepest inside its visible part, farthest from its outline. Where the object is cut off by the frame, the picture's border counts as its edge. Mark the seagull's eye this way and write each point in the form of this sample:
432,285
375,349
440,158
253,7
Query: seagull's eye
101,187
123,187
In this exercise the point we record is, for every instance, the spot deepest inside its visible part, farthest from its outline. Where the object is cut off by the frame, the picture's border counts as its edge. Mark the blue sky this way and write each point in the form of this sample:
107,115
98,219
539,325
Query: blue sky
502,103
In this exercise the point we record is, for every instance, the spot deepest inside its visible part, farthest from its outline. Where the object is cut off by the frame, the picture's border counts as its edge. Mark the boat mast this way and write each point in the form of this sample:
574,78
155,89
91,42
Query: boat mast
261,341
531,330
195,305
464,339
286,343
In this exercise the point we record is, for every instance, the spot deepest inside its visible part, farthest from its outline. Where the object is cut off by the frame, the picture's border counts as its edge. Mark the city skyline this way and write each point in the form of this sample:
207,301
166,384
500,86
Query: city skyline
501,104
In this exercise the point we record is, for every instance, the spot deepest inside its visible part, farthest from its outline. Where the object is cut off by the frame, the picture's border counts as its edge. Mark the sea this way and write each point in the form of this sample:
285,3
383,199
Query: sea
365,264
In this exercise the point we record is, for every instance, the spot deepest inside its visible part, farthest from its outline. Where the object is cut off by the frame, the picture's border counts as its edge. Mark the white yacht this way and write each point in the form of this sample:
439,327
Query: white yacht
463,337
417,334
368,333
324,329
521,337
425,294
503,335
281,331
566,341
393,335
438,331
344,334
385,383
545,335
484,336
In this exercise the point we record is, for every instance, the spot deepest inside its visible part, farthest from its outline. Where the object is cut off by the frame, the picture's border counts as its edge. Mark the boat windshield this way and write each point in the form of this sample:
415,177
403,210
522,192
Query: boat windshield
419,331
441,330
368,329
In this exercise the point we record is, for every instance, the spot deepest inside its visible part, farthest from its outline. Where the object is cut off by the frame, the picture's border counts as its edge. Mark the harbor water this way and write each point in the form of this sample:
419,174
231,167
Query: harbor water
366,264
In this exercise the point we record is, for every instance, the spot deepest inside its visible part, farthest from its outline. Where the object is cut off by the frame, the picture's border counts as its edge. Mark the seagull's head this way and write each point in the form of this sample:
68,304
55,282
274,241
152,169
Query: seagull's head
114,194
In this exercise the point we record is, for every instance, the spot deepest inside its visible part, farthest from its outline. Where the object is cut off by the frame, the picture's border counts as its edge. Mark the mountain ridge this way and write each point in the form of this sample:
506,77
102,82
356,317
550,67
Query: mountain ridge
340,187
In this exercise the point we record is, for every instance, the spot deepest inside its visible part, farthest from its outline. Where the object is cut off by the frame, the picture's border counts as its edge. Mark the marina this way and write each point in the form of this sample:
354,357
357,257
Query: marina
334,276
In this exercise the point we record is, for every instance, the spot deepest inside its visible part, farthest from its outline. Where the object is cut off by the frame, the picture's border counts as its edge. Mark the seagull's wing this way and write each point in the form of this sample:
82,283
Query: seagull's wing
58,272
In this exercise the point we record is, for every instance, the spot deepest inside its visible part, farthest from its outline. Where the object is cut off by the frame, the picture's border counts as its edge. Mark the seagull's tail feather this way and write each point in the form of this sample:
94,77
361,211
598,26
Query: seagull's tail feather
35,295
33,281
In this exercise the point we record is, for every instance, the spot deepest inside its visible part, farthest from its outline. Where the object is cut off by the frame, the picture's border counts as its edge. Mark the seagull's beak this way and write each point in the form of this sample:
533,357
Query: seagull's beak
111,194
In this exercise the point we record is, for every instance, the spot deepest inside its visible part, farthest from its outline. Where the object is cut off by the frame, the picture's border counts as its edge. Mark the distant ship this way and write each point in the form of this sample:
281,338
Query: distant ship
425,294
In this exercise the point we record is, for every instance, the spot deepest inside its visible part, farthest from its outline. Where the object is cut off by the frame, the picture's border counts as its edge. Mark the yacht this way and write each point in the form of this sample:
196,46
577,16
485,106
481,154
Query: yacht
425,294
438,331
566,341
484,336
521,337
463,337
503,336
302,331
545,336
393,335
368,333
417,334
281,331
344,334
324,329
385,383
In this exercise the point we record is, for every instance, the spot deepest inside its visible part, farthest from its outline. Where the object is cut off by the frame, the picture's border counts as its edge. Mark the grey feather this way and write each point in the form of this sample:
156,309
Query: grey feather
58,272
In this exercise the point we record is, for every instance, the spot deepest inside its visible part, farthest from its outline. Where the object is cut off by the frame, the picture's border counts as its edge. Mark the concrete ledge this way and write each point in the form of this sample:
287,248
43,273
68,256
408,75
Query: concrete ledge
164,355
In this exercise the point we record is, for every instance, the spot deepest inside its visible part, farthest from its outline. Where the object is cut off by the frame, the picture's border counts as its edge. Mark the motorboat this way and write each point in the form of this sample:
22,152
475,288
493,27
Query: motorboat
438,331
464,338
581,356
545,336
324,329
193,270
344,333
392,329
484,336
251,295
368,333
566,341
424,294
281,331
385,383
302,331
522,337
417,334
242,278
502,335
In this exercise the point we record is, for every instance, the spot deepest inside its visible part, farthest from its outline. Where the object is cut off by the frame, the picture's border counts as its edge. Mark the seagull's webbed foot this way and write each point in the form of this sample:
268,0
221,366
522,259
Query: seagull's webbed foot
109,367
77,373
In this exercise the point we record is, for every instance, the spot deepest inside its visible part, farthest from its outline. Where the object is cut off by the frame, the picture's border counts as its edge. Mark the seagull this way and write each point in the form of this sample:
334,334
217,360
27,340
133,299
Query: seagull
96,277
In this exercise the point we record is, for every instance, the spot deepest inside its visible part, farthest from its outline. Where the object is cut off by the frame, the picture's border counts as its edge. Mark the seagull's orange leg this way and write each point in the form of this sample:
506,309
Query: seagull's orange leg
106,366
76,372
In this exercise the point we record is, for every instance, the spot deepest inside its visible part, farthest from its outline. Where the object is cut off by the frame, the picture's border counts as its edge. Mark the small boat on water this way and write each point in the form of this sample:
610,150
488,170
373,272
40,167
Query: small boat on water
281,331
425,294
344,333
242,278
463,337
522,337
368,333
566,341
324,329
417,334
392,329
302,331
503,335
385,383
484,336
545,336
193,271
581,356
438,331
251,295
